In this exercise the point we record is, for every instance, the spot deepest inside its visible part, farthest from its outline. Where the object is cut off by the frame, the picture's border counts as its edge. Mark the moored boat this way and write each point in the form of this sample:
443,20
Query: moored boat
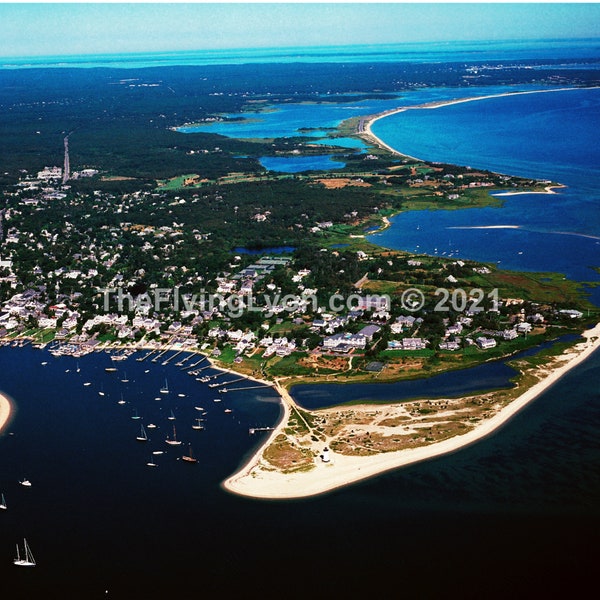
27,560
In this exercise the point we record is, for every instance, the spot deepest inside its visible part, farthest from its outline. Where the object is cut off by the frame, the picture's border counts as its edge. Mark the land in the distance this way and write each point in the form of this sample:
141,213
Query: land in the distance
136,244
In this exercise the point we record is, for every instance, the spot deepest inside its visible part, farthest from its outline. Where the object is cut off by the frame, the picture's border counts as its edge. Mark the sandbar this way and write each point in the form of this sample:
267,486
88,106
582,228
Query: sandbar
5,411
259,480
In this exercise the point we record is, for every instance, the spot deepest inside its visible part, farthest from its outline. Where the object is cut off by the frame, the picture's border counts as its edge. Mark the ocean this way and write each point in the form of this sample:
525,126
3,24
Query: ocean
542,136
515,515
98,518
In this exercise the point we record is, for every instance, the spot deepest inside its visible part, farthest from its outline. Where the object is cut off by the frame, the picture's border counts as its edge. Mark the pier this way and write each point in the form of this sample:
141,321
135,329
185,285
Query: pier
197,363
253,430
143,358
251,387
184,360
166,362
228,382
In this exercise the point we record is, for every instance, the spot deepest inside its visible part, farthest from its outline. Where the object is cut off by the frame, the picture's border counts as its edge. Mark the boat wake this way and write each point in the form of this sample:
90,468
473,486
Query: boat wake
573,233
485,227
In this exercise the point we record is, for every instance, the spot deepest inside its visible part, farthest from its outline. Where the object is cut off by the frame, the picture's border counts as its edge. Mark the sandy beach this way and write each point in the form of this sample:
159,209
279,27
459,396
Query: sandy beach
258,480
371,137
5,411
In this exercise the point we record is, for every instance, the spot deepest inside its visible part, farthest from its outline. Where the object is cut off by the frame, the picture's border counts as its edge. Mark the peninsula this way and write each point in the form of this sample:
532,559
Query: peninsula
377,429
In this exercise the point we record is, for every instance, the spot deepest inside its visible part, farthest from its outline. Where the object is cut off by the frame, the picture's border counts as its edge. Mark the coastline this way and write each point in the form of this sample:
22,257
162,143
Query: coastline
5,411
370,137
257,481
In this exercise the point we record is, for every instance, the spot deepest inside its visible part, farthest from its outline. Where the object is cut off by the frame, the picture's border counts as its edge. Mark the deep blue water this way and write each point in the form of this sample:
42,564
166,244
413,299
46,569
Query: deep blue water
97,518
543,136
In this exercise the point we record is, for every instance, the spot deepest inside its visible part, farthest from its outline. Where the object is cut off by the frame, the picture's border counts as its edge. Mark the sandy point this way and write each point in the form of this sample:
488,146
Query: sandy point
259,481
6,410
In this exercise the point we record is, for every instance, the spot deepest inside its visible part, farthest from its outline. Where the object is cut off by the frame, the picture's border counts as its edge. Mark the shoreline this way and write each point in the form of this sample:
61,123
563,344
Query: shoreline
367,132
6,410
256,481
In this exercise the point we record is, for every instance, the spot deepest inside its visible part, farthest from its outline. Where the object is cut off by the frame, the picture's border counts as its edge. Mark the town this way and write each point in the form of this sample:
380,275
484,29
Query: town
81,274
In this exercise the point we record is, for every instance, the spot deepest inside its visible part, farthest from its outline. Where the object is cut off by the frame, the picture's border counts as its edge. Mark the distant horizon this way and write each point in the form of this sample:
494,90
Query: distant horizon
31,30
283,49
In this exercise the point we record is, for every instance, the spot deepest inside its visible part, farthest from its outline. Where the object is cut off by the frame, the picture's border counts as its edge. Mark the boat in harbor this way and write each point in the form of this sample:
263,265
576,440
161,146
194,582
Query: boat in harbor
125,380
189,457
171,417
165,389
135,415
198,425
110,369
142,437
3,503
87,383
199,408
223,390
27,560
173,441
151,426
121,401
151,463
25,482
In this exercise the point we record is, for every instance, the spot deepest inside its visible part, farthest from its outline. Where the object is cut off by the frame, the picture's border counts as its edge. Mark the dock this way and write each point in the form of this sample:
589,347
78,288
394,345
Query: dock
253,430
197,363
251,387
143,358
228,382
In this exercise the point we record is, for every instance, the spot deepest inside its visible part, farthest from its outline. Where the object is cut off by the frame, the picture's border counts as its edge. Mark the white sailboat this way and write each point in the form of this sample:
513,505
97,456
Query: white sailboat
25,482
171,417
189,457
174,441
3,503
27,560
135,415
198,424
151,463
142,437
165,389
125,380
